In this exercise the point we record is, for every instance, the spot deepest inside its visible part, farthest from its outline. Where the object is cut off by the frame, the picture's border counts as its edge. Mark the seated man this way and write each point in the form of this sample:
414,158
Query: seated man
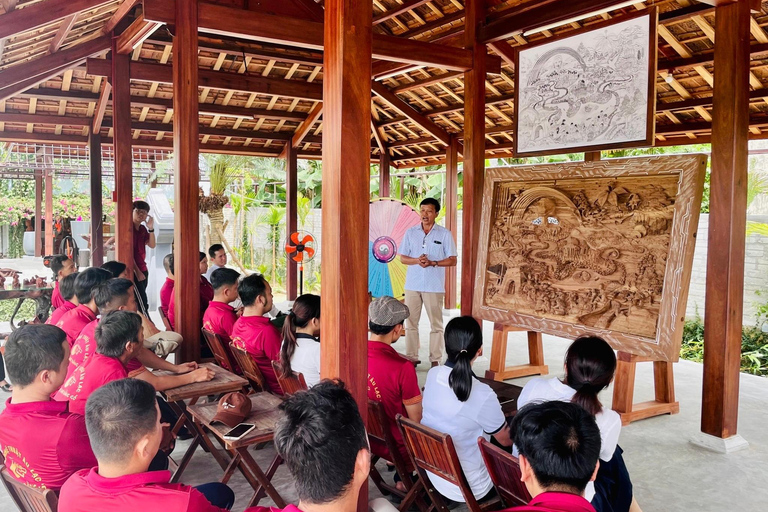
73,321
254,332
42,442
322,439
118,340
125,432
67,290
391,377
220,317
166,291
218,259
61,266
559,447
206,293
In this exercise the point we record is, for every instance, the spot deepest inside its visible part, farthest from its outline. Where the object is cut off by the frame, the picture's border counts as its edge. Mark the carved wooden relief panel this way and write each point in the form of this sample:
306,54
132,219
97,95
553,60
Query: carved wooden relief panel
600,248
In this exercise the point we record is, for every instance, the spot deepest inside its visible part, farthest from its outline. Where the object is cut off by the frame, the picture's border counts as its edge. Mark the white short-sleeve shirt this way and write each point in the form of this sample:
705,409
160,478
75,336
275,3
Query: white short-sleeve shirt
480,415
438,245
306,358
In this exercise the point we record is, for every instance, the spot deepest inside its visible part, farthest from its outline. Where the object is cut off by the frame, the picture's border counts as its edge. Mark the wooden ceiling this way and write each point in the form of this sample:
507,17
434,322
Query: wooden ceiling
263,89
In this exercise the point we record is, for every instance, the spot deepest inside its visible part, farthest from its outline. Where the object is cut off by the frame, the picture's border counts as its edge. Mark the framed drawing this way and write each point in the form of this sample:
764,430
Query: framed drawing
601,248
588,90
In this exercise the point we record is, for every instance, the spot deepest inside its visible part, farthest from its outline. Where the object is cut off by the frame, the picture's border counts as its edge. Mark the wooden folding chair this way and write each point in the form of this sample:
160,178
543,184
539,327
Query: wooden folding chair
504,469
435,452
220,353
29,499
250,369
290,384
165,320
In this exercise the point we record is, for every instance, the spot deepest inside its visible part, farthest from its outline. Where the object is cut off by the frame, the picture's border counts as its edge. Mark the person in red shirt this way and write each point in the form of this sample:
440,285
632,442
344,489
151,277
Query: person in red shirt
322,439
143,237
61,266
254,332
206,295
391,377
166,291
559,449
73,321
67,289
118,340
220,317
42,442
125,431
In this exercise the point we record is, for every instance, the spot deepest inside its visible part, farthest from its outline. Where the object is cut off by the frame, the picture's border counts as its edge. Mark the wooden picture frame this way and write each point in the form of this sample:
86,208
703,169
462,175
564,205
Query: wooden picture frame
565,95
599,248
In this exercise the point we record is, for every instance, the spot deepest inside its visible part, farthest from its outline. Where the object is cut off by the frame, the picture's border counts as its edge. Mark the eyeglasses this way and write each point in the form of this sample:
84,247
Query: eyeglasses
142,213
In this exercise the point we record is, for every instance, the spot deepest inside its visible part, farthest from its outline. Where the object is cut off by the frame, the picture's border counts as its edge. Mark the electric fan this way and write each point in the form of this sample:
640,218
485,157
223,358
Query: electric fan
300,247
389,220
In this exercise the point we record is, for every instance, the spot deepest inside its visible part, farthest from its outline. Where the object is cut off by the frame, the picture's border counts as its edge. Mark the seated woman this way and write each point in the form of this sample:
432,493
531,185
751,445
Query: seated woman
301,345
590,364
456,403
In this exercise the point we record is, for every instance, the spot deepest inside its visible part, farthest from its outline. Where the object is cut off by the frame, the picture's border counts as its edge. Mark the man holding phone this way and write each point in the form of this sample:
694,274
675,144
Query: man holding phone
143,237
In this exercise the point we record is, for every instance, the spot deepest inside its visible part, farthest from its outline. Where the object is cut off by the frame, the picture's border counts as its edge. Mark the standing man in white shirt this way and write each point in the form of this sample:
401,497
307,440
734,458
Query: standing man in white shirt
426,250
218,259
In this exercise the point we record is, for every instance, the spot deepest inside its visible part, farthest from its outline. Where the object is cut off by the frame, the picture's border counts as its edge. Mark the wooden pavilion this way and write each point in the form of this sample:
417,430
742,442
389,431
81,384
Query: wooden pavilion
400,82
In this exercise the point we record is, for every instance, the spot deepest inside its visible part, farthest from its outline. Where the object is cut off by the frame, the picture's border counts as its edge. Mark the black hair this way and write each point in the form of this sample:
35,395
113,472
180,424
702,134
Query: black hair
224,277
114,267
57,263
381,330
561,442
117,416
112,294
202,256
463,339
319,436
212,250
250,288
434,202
87,280
141,205
304,309
168,263
67,286
589,368
31,349
115,329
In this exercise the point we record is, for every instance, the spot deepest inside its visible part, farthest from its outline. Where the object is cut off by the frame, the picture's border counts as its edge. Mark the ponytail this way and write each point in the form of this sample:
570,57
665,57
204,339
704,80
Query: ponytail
305,308
589,365
463,340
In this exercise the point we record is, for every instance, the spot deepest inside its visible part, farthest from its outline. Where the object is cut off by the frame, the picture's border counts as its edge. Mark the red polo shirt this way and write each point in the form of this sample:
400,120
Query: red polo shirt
85,347
392,381
555,502
73,322
84,380
59,312
43,443
87,491
56,299
262,341
220,319
140,240
206,296
166,292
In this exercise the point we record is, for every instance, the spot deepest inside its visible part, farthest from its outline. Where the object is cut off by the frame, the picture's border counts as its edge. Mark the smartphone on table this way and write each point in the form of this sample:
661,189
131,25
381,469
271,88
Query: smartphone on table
239,431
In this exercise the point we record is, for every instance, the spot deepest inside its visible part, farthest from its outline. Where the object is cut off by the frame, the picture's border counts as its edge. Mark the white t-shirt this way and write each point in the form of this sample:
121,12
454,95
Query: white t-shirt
480,415
608,421
306,358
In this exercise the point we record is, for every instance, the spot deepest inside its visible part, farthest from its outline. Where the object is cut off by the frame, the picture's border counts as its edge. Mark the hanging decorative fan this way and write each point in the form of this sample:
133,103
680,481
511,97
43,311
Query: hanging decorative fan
300,247
389,220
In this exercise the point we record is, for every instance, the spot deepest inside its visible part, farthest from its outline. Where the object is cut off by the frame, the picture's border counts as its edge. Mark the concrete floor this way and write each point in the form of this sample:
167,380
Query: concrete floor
668,472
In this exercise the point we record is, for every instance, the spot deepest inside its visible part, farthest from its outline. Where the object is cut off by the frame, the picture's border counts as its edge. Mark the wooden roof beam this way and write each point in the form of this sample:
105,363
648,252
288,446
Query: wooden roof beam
304,128
397,11
42,13
62,33
207,130
402,108
121,12
11,117
238,49
101,106
136,33
707,58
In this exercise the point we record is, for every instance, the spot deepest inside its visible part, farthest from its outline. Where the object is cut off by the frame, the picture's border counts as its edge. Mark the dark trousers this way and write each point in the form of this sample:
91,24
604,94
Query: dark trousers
220,495
141,286
613,487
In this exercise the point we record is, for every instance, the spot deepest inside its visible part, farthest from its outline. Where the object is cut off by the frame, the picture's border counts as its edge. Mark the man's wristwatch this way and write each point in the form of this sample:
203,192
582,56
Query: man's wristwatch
151,230
435,264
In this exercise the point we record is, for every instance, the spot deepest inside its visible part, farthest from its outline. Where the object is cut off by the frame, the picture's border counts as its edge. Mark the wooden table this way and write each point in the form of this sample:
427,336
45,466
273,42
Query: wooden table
507,394
264,414
223,382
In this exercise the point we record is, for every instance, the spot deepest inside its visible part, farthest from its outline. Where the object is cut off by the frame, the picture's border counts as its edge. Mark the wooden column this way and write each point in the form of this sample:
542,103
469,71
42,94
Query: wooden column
48,210
727,222
474,152
384,165
346,189
38,213
187,179
291,217
451,214
121,122
97,227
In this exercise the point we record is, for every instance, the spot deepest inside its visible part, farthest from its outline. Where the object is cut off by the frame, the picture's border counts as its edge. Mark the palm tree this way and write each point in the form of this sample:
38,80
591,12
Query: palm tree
222,172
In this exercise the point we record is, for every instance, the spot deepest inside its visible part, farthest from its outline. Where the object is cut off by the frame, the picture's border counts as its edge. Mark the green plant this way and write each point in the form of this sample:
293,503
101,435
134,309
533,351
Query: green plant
26,312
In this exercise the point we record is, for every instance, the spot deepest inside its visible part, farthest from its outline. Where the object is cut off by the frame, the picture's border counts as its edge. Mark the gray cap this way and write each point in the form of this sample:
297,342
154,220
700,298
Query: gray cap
388,311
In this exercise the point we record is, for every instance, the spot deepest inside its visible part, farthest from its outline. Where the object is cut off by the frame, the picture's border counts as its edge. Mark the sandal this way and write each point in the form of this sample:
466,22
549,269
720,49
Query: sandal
6,387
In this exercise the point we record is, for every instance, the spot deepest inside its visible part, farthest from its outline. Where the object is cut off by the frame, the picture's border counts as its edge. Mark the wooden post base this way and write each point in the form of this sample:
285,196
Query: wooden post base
624,390
499,371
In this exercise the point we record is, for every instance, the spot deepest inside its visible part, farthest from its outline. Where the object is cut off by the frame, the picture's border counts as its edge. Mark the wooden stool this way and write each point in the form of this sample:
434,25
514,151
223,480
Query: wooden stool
624,389
500,371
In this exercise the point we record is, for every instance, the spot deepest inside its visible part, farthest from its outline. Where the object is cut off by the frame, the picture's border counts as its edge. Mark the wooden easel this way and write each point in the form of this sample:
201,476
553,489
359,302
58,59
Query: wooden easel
624,389
498,369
